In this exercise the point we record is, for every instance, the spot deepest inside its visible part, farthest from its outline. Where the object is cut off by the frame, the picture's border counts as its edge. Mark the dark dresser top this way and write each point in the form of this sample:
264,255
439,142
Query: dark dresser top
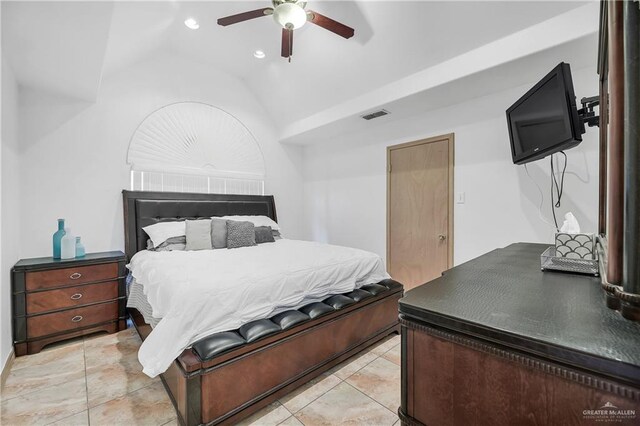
51,263
504,297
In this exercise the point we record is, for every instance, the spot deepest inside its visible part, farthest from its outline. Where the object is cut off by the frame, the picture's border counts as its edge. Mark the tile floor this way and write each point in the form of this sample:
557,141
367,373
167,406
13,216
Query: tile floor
98,380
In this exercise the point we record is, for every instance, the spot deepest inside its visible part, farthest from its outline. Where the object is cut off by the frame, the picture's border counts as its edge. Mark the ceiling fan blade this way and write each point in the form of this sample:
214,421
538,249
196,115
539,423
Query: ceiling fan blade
287,43
245,16
330,24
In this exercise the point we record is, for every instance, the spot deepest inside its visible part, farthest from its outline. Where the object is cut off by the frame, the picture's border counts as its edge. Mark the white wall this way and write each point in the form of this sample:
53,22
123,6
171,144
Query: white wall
10,205
73,154
345,179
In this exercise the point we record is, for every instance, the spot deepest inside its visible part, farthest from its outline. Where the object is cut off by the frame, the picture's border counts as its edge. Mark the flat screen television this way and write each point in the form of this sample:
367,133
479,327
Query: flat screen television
545,119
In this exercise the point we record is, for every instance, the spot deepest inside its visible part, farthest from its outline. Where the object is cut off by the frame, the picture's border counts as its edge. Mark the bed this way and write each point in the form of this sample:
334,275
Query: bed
229,367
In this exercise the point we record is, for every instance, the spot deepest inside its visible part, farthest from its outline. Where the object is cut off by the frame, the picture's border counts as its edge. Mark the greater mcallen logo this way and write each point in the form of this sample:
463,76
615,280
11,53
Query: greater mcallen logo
609,413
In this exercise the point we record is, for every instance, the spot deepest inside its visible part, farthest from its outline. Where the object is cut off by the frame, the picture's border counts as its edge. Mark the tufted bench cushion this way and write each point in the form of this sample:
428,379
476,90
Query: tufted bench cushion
288,319
315,310
339,301
359,295
219,343
374,289
255,330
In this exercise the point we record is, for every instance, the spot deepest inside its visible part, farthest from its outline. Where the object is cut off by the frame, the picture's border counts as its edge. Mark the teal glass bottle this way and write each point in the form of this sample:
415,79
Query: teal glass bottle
79,248
57,238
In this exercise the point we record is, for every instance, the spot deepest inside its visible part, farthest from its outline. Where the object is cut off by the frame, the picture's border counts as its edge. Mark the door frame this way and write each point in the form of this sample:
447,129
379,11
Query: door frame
450,138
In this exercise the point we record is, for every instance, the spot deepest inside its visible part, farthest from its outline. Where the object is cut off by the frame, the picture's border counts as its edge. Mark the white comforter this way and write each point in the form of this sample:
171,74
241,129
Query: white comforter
197,293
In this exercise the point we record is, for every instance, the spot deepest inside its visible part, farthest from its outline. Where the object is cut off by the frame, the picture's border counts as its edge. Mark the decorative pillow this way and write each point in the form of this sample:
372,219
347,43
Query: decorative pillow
256,220
264,235
276,235
198,234
240,234
173,243
162,231
218,233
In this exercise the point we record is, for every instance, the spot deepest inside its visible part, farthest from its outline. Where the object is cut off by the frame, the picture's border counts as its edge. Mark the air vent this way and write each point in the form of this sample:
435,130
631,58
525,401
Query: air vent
376,114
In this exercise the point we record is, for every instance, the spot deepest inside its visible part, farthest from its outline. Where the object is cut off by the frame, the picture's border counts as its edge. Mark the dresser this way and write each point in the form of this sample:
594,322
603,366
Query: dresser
496,341
56,299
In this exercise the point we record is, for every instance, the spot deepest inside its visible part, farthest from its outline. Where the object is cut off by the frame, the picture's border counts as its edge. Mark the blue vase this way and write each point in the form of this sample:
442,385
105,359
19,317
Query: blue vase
79,248
57,238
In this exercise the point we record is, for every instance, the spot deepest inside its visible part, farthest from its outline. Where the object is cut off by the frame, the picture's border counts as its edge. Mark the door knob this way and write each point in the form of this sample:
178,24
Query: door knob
442,237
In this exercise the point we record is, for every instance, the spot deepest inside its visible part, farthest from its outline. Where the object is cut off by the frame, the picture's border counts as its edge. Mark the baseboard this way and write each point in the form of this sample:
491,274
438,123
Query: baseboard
7,367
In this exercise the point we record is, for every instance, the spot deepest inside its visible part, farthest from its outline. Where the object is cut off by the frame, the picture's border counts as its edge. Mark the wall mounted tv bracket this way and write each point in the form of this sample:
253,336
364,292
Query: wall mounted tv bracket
587,114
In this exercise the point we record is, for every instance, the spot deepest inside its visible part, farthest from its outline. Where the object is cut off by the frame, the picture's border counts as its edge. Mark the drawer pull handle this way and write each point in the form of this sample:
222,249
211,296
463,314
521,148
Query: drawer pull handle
77,318
76,296
75,276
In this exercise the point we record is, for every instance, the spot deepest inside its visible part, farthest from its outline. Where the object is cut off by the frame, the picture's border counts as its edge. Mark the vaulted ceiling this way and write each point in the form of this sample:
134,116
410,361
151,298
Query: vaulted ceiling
69,47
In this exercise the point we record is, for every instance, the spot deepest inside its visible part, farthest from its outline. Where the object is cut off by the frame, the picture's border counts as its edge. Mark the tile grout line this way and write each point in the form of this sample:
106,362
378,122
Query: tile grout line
312,401
31,391
340,381
364,393
86,391
364,366
86,380
164,424
64,418
126,394
81,346
119,396
377,356
288,411
374,400
328,390
154,382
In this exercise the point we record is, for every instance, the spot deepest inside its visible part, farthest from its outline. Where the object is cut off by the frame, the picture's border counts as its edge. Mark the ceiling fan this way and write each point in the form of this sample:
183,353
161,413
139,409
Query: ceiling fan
291,15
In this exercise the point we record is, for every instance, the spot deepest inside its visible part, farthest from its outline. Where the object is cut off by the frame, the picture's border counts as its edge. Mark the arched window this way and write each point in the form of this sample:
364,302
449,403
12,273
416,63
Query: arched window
195,147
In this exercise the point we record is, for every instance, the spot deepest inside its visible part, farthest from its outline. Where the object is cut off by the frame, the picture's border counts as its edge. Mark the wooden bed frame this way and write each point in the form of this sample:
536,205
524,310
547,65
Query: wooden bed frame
237,383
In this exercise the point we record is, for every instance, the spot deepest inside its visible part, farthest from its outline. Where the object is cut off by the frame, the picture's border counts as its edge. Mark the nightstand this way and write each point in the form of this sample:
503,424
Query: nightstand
57,299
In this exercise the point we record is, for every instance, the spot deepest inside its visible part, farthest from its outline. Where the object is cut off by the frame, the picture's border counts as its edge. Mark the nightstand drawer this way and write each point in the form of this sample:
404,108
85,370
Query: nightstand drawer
43,325
51,300
70,276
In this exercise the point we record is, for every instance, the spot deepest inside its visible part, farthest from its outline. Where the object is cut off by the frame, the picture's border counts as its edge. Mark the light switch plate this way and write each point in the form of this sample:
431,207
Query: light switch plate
460,198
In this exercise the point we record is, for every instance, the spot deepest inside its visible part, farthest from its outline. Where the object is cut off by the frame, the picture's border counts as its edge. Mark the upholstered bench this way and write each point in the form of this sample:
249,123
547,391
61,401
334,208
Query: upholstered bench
227,376
220,343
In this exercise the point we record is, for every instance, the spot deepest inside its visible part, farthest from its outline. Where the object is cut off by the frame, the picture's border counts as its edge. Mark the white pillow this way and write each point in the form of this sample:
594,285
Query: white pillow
162,231
256,220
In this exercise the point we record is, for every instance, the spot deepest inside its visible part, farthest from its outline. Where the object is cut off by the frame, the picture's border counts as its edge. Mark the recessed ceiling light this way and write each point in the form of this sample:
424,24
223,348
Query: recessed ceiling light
259,54
191,23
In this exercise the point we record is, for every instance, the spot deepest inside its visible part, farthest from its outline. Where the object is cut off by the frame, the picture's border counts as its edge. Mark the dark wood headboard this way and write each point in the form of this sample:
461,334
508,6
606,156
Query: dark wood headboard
143,208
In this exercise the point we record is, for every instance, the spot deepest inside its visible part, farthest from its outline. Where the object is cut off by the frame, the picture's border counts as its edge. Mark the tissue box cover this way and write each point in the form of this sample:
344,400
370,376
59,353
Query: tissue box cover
575,246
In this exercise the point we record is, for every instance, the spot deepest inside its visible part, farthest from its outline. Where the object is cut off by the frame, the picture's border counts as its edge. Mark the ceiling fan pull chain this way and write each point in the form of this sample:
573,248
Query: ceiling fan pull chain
290,44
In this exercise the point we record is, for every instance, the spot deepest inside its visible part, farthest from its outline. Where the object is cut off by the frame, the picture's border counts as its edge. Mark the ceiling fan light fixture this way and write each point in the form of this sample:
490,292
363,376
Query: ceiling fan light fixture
290,15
